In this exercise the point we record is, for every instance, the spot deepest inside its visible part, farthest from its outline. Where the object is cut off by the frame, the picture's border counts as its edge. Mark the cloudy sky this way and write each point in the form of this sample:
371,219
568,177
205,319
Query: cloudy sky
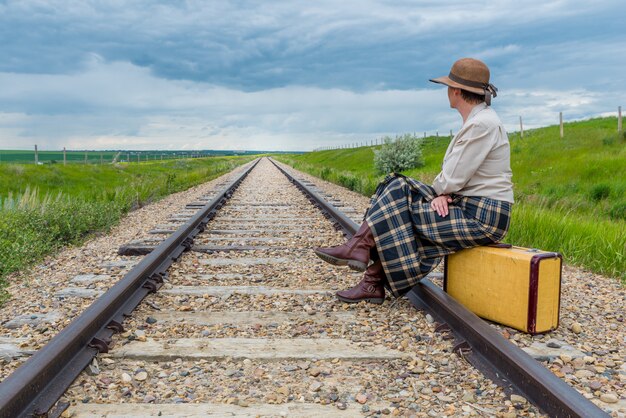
291,75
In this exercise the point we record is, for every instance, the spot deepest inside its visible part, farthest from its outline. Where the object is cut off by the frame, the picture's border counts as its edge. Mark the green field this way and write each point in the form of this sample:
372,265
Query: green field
45,207
570,192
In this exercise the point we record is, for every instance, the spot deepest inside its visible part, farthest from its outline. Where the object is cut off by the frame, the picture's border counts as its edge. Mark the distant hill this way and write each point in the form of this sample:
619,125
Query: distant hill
109,156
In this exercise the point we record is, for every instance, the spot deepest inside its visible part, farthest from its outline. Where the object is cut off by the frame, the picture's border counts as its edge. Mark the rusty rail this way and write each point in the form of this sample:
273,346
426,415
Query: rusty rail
34,388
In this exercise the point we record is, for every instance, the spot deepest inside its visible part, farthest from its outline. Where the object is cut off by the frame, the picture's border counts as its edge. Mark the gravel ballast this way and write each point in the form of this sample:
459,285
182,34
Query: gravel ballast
283,292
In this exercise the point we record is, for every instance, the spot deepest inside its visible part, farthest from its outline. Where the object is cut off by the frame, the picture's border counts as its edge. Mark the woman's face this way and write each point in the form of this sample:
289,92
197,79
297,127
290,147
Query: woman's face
452,97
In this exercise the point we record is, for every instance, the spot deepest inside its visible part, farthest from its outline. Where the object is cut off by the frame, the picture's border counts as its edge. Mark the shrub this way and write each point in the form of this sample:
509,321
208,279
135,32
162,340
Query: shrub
349,181
609,140
618,211
599,192
399,154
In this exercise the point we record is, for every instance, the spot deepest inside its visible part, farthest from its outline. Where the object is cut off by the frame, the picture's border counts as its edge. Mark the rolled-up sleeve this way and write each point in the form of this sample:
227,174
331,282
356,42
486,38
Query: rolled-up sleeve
461,162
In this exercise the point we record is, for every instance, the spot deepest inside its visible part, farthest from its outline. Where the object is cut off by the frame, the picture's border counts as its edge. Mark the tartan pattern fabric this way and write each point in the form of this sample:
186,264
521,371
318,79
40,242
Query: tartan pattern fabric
411,238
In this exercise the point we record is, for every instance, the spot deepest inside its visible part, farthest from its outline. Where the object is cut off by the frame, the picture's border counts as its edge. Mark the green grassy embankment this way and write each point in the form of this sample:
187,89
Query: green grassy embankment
570,193
46,207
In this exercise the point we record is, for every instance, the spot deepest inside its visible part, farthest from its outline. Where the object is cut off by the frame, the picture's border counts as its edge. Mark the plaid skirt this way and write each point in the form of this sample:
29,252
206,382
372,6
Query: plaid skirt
411,238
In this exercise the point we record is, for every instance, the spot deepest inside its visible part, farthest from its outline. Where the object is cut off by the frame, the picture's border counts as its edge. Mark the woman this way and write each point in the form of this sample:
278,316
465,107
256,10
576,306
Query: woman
410,226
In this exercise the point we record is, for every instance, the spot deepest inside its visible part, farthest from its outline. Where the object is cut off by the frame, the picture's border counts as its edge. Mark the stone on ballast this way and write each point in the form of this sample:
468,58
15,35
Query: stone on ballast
595,385
10,348
78,292
86,279
553,343
540,351
468,397
518,399
583,373
608,398
316,386
32,320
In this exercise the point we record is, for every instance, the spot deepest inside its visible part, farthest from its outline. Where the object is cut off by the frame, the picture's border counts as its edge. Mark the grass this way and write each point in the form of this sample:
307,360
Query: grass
44,208
570,193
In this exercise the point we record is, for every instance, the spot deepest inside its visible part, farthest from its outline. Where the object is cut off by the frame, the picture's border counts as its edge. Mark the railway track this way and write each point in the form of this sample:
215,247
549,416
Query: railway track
240,319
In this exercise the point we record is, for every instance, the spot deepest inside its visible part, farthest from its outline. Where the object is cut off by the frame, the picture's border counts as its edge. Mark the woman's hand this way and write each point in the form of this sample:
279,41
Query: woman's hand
440,204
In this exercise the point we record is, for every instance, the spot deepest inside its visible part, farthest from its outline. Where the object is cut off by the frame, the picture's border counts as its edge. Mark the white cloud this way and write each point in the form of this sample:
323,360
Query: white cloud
289,75
128,107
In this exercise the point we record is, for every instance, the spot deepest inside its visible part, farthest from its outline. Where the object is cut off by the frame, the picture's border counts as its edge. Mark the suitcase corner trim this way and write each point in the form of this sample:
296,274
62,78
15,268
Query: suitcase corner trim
445,274
533,290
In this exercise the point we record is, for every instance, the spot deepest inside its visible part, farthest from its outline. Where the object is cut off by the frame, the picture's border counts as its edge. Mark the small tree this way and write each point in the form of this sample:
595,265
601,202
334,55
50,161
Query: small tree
399,154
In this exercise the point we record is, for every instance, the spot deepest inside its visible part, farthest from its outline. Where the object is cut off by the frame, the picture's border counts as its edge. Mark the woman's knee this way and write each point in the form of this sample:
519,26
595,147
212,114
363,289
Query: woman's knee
396,183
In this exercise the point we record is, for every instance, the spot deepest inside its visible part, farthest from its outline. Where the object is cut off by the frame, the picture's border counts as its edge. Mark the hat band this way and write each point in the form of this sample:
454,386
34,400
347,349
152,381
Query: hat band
488,88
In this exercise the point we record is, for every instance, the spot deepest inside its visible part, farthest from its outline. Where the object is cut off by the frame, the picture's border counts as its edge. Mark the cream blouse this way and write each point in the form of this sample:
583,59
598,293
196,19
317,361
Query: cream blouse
478,159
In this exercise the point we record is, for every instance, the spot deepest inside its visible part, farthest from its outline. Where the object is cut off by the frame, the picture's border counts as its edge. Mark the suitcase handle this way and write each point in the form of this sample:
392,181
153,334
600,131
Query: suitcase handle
500,245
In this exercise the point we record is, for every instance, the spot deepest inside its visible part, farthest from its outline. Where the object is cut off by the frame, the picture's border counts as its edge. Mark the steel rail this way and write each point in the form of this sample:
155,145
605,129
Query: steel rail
35,387
479,343
339,219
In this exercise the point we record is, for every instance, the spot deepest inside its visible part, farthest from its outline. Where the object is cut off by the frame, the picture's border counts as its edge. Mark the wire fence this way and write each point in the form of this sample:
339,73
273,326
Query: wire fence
64,156
436,136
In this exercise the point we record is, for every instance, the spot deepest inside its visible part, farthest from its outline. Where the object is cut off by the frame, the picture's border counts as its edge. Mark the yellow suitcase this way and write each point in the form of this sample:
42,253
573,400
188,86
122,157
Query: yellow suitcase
513,286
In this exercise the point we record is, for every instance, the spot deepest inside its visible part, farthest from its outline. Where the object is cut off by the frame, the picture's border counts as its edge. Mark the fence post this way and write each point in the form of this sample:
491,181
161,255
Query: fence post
36,156
85,157
619,120
561,123
64,156
521,128
101,159
451,136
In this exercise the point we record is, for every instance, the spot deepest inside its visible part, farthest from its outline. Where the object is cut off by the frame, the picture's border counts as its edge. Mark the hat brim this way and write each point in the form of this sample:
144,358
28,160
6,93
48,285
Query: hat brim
445,80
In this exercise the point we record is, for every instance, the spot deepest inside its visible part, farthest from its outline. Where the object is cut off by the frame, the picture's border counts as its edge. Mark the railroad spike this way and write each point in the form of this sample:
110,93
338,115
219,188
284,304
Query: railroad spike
442,328
157,277
187,243
150,285
462,349
116,326
101,345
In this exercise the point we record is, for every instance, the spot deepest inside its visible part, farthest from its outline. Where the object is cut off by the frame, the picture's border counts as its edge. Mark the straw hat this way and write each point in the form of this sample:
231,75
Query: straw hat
471,75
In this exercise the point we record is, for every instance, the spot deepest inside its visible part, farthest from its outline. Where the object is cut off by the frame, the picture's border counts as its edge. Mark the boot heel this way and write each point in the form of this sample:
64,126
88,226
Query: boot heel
357,265
376,301
330,259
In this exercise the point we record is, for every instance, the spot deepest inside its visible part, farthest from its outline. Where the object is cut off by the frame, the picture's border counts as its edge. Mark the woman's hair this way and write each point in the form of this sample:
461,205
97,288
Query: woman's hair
473,98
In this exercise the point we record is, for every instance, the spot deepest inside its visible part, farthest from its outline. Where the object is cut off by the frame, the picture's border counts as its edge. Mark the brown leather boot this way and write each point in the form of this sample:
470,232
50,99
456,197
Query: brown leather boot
355,253
369,289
